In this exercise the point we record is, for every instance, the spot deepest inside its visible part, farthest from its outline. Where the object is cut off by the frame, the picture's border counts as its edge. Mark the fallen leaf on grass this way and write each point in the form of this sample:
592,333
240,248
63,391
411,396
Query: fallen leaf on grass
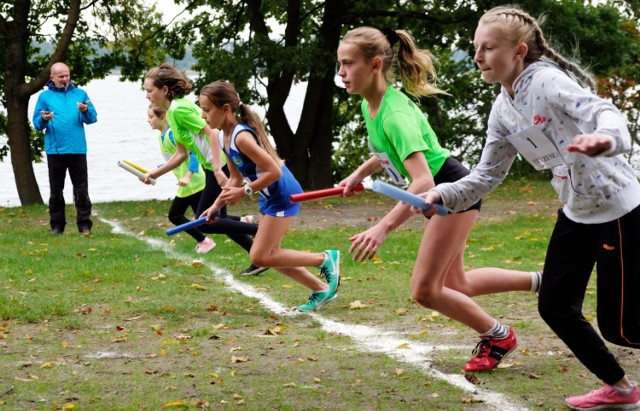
198,287
403,346
398,372
401,311
174,404
235,360
197,264
290,385
182,337
472,378
357,304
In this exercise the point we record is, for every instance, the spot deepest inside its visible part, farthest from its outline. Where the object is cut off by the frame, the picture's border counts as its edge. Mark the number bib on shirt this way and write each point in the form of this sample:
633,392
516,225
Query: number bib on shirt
536,148
391,171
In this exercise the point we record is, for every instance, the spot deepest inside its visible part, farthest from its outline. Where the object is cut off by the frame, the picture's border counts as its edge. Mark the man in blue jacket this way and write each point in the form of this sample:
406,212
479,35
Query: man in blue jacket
62,111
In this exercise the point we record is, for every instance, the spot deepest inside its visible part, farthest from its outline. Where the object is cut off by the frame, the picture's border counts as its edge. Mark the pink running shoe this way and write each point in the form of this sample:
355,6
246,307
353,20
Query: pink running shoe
606,398
490,351
205,245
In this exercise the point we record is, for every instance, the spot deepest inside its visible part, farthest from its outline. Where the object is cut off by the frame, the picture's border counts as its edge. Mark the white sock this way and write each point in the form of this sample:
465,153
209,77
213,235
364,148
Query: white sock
536,280
625,391
497,331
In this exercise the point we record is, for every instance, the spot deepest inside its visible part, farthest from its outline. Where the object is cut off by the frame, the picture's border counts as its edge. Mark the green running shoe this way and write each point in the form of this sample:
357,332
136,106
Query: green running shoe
317,300
330,269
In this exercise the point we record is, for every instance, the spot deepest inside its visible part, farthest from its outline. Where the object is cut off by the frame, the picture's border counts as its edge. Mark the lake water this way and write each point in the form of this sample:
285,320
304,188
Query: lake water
122,132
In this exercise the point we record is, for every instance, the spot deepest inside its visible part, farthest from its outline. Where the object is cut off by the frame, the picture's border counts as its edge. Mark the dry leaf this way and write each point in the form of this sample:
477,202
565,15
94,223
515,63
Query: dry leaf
236,360
198,287
174,404
357,304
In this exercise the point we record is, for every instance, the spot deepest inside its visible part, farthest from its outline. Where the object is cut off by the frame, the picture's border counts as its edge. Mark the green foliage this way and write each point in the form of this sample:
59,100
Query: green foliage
274,44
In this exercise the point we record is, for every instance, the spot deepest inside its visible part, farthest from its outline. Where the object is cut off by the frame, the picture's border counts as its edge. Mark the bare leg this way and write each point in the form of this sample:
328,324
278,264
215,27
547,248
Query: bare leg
436,261
267,252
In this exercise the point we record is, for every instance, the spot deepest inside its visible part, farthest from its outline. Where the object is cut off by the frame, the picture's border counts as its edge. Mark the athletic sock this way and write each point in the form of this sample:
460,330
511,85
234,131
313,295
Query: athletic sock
536,279
624,390
497,331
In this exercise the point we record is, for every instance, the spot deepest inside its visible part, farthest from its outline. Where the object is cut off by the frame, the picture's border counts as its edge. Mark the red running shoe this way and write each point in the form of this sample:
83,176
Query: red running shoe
490,351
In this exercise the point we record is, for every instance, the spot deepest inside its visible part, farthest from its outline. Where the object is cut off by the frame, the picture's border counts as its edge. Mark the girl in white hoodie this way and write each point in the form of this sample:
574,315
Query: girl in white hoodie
546,113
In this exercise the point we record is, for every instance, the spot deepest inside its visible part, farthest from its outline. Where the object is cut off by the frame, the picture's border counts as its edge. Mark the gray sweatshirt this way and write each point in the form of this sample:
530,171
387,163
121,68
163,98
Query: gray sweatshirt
549,104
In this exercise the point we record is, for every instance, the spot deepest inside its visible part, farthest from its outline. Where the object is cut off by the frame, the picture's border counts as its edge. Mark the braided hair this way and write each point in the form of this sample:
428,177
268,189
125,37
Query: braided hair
520,27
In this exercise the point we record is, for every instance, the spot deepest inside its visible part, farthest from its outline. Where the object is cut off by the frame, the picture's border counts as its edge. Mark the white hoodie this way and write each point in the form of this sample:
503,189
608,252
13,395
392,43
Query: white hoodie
593,189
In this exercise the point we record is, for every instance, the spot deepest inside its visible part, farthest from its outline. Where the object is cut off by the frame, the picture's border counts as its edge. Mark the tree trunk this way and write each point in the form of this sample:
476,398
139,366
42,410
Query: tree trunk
18,131
309,151
17,92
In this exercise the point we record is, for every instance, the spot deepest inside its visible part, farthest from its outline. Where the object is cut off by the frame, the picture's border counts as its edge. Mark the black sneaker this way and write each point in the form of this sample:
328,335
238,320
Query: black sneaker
57,231
85,231
254,270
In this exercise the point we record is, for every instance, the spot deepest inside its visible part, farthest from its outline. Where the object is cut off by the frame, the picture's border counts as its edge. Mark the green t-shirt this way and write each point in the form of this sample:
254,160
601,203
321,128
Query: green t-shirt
399,130
185,119
197,182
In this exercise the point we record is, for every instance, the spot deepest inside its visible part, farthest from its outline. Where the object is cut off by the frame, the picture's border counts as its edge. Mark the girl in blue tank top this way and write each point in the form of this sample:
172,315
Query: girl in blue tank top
255,167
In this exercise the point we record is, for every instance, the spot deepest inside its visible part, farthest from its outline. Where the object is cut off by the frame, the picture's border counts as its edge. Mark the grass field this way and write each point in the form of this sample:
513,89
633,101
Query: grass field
130,319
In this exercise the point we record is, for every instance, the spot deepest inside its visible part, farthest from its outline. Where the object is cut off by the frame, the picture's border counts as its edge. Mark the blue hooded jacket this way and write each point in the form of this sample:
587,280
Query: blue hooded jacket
64,133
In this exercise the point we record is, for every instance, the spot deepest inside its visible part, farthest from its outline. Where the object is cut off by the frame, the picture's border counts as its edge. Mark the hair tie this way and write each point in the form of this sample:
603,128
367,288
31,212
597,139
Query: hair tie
391,35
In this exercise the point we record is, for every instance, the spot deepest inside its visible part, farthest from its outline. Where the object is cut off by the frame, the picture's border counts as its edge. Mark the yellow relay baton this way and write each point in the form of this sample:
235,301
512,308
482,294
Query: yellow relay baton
137,167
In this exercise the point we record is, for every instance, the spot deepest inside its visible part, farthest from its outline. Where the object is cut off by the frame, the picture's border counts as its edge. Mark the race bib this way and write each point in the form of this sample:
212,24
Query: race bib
395,175
536,148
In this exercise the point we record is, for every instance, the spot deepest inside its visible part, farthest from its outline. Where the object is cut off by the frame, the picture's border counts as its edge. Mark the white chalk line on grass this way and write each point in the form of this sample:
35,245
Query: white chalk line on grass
367,338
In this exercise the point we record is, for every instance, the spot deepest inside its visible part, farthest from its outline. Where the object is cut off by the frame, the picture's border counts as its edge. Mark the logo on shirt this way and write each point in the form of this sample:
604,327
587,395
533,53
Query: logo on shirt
237,161
539,119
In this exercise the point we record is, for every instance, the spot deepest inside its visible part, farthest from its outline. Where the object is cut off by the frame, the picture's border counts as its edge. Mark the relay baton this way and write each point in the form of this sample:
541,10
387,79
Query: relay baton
324,193
134,171
186,226
401,195
190,224
137,167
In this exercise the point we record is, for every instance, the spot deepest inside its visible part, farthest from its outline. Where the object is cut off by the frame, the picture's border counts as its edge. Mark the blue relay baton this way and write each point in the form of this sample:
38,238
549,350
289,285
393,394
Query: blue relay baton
406,197
190,224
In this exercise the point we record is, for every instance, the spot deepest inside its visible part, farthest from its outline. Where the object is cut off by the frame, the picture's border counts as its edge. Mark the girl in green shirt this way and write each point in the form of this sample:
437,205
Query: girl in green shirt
190,179
404,145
